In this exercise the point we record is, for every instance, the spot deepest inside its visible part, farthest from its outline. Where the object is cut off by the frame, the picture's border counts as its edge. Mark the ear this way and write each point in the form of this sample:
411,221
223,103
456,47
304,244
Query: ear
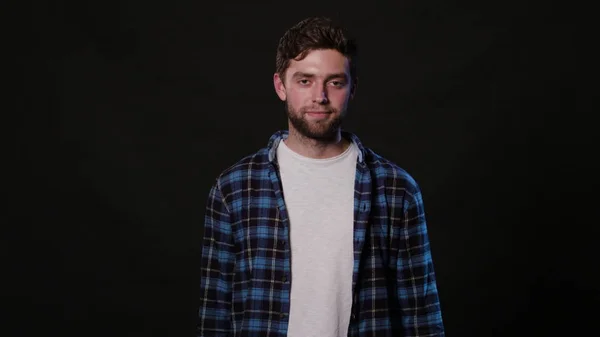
279,86
353,88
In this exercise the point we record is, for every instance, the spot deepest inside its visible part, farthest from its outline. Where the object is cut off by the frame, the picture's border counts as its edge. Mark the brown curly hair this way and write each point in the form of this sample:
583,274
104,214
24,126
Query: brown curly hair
311,34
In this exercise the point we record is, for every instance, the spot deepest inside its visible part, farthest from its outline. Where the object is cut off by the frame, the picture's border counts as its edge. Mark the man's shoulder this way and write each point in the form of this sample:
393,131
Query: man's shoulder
245,167
390,173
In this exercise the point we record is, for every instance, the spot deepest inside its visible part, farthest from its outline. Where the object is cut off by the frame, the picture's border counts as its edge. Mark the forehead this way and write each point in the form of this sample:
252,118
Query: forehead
321,62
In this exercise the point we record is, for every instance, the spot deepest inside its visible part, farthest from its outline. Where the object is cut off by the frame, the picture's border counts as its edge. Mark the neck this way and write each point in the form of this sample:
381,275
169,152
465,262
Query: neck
316,148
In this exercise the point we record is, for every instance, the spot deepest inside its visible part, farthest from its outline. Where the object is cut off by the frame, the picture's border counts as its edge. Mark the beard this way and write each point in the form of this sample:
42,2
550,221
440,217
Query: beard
321,130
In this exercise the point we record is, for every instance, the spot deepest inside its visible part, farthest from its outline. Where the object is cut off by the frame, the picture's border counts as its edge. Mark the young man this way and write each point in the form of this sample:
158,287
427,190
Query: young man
315,234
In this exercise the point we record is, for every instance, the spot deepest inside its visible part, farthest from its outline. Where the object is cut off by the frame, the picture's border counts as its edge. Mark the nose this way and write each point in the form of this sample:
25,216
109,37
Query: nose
320,96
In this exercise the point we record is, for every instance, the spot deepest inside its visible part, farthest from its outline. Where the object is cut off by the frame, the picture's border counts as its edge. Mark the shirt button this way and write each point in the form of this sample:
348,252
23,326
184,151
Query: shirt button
284,279
281,315
353,317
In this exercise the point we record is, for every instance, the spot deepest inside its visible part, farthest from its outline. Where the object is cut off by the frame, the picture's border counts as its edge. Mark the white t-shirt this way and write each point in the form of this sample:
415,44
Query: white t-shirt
319,197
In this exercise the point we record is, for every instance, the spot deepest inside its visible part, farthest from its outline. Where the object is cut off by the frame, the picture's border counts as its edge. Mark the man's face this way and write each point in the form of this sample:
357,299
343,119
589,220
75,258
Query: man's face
316,91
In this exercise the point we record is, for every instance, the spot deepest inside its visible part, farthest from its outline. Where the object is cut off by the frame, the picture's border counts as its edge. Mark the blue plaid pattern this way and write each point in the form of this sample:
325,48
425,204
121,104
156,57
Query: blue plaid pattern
245,284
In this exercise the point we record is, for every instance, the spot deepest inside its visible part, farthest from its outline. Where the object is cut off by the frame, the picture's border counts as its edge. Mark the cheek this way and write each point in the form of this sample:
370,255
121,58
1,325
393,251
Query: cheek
297,97
339,98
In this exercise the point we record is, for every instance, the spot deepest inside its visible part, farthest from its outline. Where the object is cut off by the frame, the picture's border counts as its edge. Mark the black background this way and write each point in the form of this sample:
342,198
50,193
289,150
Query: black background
131,109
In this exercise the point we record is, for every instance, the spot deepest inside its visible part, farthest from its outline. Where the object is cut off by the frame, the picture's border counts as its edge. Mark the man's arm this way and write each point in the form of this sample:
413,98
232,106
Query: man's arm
216,277
417,288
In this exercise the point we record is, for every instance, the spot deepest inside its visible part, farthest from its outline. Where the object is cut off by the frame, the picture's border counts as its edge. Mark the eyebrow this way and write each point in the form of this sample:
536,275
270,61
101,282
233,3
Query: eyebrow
300,74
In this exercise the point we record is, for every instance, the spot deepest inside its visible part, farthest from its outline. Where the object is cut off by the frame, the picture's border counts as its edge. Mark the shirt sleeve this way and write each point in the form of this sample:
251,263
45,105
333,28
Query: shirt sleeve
417,288
217,263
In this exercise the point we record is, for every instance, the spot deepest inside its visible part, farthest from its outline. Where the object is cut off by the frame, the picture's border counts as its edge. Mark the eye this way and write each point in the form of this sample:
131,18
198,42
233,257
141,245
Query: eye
303,81
338,84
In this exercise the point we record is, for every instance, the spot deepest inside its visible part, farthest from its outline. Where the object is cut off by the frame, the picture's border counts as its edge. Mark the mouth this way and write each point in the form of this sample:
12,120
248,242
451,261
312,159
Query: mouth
318,114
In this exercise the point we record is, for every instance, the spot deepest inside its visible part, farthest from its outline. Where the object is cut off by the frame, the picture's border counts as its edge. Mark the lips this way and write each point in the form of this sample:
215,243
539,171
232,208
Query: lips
318,115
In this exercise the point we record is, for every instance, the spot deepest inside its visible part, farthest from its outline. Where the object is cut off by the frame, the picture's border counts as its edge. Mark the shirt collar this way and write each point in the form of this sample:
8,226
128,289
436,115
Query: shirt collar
283,134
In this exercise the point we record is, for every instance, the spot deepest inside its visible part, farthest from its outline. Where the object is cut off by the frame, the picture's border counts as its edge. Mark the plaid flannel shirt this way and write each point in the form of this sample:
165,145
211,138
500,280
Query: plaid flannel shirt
245,284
